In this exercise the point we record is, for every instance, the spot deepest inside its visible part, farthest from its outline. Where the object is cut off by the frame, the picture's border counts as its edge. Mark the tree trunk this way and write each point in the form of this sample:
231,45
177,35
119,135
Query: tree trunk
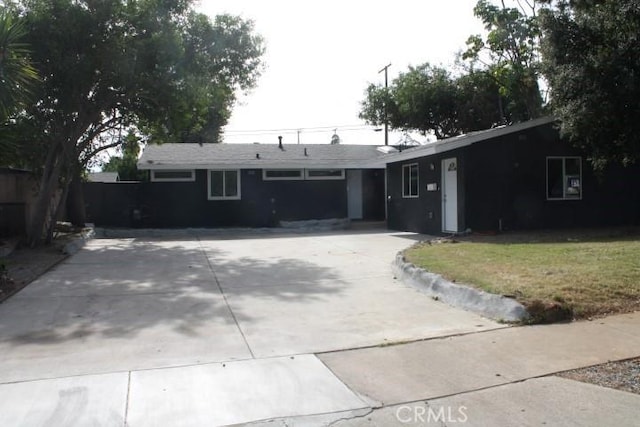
76,212
55,213
42,206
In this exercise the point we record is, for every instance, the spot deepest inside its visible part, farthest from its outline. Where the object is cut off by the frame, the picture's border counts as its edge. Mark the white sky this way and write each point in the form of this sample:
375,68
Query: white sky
321,56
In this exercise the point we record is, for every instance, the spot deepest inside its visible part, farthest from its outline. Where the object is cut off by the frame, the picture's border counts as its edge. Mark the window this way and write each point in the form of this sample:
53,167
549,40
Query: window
173,175
410,180
324,174
224,185
281,174
564,178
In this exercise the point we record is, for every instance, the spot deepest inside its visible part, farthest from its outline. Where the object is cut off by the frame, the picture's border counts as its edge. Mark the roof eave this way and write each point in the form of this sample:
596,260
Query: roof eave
377,164
453,143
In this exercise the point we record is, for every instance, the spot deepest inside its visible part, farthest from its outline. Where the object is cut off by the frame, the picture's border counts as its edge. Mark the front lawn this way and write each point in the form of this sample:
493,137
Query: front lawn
589,272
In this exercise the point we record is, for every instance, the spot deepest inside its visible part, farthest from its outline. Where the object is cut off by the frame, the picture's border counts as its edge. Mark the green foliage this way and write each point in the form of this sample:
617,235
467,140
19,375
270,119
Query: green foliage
372,109
591,52
480,104
156,65
429,99
18,78
509,54
500,84
17,73
425,99
126,164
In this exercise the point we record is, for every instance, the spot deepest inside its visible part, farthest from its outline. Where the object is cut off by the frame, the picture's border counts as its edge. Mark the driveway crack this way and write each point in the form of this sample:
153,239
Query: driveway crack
224,297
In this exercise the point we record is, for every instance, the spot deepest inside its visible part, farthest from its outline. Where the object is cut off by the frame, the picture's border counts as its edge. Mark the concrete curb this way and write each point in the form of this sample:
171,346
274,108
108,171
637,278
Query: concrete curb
78,242
489,305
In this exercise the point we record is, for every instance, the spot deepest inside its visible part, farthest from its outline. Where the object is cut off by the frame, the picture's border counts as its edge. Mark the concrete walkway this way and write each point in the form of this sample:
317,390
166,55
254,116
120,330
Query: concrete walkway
282,330
494,378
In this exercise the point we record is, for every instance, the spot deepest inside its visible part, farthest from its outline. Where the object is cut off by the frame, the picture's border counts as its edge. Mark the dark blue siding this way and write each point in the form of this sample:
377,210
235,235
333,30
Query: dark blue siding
262,203
502,183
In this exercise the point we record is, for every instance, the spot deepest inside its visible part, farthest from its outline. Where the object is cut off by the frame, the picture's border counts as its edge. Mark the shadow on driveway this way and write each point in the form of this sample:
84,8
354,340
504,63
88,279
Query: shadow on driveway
120,288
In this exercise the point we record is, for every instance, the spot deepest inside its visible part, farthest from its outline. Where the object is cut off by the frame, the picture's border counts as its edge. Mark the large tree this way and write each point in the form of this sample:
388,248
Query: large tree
591,52
499,83
107,65
431,100
508,53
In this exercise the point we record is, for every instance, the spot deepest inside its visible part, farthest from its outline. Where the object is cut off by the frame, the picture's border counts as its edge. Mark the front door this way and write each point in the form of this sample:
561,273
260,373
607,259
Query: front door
450,195
354,194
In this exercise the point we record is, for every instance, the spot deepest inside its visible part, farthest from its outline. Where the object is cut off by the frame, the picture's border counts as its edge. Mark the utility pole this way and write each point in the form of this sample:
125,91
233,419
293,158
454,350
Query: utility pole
386,122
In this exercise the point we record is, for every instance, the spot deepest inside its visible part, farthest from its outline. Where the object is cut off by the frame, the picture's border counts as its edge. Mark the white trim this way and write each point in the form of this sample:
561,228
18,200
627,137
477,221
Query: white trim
191,179
411,196
447,203
317,178
238,173
283,178
564,177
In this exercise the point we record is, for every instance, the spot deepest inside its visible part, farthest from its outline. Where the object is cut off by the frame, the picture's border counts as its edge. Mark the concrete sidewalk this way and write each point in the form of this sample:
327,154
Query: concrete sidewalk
485,378
496,378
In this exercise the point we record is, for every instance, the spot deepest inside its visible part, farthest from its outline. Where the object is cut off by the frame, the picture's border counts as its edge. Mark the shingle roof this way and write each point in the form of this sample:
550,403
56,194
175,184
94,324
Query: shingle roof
342,156
449,144
260,156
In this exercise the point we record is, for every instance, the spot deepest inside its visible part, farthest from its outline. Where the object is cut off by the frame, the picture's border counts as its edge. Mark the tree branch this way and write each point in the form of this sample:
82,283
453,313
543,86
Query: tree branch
92,153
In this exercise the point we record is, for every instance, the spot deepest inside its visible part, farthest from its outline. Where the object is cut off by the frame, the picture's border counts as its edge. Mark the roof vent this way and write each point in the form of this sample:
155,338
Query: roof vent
305,152
335,139
280,143
387,149
257,155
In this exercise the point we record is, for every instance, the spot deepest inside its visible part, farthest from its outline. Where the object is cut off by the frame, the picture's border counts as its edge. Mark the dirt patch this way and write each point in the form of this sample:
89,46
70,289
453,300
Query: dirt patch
24,265
623,375
20,265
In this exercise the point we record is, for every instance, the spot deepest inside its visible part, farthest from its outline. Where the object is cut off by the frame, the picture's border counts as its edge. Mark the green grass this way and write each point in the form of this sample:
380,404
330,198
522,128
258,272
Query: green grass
589,273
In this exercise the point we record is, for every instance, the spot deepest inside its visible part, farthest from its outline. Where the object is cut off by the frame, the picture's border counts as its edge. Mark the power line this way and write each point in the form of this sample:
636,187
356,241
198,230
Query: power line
317,129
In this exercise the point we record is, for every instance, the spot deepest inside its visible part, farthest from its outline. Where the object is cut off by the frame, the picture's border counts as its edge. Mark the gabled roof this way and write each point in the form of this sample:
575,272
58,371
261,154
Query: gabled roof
260,156
465,140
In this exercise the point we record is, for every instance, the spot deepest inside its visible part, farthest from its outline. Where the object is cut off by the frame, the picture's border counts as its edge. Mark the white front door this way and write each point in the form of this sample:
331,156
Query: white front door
450,195
354,194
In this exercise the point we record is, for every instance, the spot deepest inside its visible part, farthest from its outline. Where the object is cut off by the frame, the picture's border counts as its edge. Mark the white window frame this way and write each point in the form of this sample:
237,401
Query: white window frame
239,186
411,196
317,178
155,179
564,177
282,178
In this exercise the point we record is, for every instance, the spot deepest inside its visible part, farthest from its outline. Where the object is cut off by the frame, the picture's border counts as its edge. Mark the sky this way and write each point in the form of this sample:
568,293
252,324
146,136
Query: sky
321,56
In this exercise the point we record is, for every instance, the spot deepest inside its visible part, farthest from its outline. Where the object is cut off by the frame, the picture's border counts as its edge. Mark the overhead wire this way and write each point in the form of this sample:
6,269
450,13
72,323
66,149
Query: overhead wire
317,129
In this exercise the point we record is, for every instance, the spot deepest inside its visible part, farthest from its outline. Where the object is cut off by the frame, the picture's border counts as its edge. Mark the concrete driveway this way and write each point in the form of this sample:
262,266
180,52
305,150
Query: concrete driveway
118,313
